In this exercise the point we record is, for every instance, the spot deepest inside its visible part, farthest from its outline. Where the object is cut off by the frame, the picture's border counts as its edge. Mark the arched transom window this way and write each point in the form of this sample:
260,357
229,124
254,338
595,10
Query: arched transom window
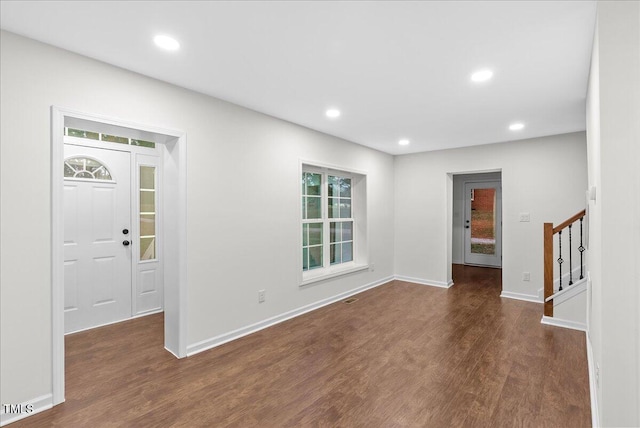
82,167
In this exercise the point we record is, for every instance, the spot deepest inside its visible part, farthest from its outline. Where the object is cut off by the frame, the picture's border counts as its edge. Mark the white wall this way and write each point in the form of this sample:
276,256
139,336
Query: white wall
545,177
242,211
457,252
613,129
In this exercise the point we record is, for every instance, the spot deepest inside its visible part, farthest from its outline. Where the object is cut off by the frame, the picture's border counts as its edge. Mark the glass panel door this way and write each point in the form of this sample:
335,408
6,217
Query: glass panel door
483,223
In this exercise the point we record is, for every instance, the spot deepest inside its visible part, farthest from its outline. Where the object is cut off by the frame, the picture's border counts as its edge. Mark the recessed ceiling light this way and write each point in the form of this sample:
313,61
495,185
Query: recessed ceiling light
516,126
482,75
403,142
333,113
166,42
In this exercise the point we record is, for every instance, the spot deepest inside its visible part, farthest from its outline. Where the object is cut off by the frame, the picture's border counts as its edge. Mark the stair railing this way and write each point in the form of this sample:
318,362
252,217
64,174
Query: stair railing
549,231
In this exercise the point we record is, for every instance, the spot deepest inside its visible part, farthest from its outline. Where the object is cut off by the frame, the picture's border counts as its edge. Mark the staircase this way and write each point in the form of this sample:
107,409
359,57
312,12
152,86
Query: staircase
564,273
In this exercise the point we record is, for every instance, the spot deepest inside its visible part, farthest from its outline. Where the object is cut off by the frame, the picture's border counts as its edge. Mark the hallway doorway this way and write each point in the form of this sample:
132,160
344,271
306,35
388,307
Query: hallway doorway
477,219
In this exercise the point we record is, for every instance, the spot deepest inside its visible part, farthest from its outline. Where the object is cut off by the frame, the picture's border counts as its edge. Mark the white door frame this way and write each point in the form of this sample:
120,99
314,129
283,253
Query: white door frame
174,206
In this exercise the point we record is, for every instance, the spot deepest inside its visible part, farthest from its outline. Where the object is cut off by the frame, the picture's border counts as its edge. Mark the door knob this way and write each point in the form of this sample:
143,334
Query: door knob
125,243
125,231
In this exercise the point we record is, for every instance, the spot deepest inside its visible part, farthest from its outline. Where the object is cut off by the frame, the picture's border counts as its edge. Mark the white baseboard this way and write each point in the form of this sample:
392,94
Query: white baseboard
252,328
421,281
520,296
595,415
28,408
563,323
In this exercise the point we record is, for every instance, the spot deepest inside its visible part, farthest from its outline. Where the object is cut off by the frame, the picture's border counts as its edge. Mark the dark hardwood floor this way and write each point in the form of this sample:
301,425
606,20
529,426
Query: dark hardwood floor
401,355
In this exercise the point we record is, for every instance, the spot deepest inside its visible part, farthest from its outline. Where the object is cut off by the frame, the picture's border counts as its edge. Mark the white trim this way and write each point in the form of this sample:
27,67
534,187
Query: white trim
563,323
40,404
151,312
430,282
328,273
57,256
519,296
593,391
174,319
569,292
312,163
252,328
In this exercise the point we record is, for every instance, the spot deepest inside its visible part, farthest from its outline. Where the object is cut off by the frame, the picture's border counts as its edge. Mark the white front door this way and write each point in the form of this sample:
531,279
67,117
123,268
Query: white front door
483,223
97,237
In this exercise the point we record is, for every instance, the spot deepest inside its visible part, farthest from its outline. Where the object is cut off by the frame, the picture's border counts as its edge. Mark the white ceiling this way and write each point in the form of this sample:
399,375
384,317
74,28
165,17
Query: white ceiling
395,69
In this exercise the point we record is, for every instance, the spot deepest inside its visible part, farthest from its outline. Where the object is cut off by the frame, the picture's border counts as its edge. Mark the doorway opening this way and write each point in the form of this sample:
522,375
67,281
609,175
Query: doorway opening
477,219
98,167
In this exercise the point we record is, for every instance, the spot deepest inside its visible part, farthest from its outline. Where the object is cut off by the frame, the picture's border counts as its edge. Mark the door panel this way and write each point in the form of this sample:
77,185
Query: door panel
483,223
97,264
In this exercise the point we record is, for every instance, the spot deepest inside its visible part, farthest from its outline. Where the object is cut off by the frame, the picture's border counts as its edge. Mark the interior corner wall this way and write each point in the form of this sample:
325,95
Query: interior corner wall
243,225
613,131
545,177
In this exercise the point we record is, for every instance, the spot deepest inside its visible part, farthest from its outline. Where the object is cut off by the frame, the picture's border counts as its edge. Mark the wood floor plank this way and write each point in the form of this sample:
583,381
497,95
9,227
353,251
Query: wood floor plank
402,355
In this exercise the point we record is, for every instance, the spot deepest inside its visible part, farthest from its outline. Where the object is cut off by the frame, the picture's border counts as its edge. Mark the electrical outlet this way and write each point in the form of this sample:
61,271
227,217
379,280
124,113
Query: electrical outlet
372,267
597,375
525,217
526,276
262,295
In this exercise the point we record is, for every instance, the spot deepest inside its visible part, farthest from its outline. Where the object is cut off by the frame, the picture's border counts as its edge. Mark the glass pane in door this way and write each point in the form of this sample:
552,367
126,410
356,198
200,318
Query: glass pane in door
483,221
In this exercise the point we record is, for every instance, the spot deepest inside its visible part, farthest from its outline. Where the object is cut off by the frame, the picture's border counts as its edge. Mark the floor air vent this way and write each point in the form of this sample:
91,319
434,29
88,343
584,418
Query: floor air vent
350,300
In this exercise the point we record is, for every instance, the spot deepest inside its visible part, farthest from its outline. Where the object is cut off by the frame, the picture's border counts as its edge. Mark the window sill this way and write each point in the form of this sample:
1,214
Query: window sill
328,273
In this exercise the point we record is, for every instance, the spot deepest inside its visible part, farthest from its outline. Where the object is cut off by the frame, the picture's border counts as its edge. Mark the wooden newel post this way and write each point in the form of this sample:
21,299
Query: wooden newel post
548,268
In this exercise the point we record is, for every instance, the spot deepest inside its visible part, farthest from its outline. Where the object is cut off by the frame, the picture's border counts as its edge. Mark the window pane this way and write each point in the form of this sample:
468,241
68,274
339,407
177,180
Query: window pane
314,207
305,233
345,208
315,257
334,188
315,233
483,235
143,143
334,232
68,172
305,259
147,248
147,177
334,208
82,134
147,202
313,182
148,225
334,255
102,174
347,252
115,139
85,168
347,231
345,187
